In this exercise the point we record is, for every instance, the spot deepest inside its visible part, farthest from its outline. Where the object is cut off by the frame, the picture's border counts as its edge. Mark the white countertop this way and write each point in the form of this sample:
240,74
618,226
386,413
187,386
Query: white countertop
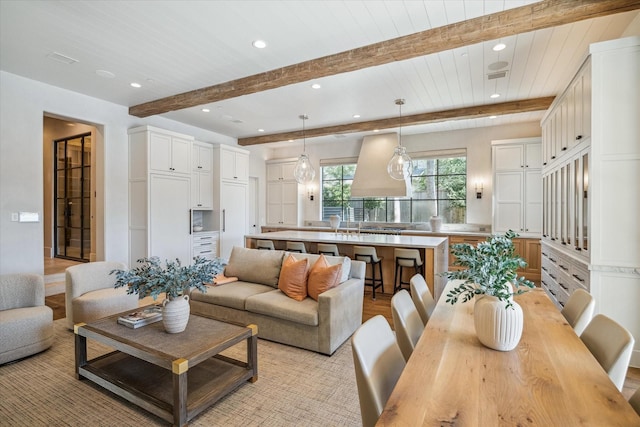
405,241
427,233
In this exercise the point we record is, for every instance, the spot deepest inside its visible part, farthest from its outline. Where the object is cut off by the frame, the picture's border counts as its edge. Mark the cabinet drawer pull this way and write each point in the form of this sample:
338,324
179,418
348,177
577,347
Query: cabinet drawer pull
553,157
563,286
564,148
578,249
553,260
578,278
552,276
579,137
544,268
563,267
552,293
561,303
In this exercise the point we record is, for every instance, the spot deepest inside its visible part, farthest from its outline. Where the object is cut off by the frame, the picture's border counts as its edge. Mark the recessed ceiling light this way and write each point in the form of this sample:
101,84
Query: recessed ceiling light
499,47
356,116
259,44
260,130
316,86
106,74
495,95
492,117
136,85
205,110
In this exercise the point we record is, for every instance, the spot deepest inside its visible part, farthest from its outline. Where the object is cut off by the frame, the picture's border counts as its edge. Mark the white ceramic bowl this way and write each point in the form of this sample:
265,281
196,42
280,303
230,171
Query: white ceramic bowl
197,228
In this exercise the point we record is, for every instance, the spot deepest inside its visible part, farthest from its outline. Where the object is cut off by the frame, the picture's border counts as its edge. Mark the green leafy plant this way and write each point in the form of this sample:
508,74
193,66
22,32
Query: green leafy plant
150,278
490,267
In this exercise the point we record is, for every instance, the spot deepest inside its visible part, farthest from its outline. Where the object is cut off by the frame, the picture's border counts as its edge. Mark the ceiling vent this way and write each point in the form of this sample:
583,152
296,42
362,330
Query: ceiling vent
496,75
61,58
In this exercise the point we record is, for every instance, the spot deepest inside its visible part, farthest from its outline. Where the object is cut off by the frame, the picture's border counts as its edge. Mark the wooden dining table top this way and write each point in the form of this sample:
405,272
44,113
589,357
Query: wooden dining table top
549,379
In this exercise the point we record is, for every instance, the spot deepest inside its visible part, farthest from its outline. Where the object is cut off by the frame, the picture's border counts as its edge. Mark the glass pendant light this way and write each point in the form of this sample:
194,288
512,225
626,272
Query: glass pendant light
304,172
400,166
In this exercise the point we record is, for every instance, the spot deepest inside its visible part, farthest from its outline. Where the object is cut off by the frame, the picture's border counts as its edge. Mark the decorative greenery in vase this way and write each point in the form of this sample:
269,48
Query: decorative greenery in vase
490,269
152,279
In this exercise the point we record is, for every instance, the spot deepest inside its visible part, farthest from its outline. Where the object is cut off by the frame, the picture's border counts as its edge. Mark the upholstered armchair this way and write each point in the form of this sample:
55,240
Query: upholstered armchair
26,324
90,295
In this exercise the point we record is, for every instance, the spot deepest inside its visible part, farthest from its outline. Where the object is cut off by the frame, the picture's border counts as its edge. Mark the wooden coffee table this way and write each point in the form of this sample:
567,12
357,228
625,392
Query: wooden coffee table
174,376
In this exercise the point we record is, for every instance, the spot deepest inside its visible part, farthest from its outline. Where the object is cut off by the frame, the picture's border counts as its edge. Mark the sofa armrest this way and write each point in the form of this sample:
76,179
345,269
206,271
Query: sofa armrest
21,290
339,313
358,269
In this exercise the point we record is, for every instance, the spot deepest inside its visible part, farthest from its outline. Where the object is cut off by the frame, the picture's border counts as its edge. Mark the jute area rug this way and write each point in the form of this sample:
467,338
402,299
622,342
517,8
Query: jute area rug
295,388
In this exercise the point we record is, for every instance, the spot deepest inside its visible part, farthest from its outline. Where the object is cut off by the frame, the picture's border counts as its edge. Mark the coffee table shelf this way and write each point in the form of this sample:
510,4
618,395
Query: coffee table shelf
174,376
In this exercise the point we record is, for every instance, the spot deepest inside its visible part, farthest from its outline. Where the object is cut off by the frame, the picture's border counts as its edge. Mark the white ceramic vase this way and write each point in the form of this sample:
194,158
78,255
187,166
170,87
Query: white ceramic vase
436,223
334,221
497,326
175,314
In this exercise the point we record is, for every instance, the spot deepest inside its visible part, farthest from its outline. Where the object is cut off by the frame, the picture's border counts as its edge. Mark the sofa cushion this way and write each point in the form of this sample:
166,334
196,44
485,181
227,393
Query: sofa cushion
256,266
293,277
332,260
231,295
277,304
322,277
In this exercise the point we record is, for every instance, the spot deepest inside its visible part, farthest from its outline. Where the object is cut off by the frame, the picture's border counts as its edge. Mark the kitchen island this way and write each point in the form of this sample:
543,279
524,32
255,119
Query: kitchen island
433,250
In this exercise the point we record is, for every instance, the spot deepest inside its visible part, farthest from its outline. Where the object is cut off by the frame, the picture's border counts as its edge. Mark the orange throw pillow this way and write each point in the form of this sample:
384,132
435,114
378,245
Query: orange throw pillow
293,278
323,277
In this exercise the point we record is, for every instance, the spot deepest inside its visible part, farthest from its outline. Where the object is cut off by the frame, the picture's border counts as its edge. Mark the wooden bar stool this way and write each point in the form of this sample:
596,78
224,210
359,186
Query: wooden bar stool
328,249
265,244
406,258
369,255
296,247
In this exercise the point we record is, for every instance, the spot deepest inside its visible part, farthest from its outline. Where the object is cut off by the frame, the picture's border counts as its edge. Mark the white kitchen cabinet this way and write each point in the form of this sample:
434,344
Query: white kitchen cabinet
202,176
169,153
230,195
234,164
205,244
284,200
517,193
590,238
159,198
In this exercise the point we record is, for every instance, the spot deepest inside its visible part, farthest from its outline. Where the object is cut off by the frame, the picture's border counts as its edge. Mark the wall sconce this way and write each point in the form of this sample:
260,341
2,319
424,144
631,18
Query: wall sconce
479,188
311,192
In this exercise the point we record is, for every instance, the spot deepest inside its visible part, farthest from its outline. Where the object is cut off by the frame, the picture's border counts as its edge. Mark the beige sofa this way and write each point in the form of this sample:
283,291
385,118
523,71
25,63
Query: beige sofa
320,326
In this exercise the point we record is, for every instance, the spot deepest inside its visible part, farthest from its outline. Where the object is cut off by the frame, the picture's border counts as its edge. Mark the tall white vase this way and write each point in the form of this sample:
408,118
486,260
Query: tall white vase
334,221
175,314
497,326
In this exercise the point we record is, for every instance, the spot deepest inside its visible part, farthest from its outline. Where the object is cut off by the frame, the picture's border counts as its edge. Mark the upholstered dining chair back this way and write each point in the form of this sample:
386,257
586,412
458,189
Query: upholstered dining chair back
90,295
421,296
611,344
378,364
579,310
406,322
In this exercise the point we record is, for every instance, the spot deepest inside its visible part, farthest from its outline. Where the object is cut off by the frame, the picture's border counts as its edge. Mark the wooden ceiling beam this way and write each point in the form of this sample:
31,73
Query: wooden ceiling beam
545,14
478,111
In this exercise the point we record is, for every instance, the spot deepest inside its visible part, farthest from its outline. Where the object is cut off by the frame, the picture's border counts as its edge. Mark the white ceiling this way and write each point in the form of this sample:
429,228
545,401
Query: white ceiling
172,47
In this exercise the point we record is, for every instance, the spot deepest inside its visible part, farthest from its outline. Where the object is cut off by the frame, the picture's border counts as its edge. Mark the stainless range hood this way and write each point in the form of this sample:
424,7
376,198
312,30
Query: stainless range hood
371,178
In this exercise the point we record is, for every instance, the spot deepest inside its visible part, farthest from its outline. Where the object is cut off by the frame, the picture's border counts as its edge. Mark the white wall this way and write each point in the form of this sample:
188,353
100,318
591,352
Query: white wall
477,142
23,103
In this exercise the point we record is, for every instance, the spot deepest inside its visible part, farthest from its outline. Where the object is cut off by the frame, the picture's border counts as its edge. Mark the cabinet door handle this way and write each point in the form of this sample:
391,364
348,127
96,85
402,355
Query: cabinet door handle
579,137
224,220
190,217
544,164
553,157
564,148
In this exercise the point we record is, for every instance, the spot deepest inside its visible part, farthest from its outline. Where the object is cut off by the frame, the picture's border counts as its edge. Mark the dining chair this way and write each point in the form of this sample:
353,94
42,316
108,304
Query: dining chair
634,400
378,364
579,310
406,322
422,297
611,344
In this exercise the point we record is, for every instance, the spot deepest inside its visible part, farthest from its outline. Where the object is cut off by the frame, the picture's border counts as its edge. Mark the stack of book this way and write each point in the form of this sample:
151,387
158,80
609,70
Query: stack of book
141,317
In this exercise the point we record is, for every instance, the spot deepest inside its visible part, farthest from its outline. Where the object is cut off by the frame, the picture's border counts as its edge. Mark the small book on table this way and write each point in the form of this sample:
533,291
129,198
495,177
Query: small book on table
141,317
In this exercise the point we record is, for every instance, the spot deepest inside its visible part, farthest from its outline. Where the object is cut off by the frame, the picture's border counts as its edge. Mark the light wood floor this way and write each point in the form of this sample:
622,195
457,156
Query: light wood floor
57,265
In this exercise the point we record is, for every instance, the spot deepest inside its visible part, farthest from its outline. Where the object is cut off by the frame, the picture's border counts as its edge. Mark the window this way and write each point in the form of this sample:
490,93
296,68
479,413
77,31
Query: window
439,186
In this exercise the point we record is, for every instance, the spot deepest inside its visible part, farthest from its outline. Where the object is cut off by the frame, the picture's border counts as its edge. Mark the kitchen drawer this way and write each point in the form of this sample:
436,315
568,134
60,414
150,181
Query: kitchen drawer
580,276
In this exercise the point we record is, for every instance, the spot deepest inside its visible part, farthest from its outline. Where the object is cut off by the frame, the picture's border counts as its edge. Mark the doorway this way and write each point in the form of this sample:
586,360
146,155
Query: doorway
72,197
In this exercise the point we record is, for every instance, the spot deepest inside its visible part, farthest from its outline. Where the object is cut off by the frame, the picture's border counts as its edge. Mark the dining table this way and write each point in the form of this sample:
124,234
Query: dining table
549,379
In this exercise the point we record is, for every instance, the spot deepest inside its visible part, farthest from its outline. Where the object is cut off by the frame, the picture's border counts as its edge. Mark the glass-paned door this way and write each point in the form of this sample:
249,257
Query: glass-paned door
72,206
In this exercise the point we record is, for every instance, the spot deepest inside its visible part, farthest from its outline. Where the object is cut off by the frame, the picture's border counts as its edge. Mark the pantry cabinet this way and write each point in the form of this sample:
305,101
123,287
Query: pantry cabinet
590,192
517,193
159,194
284,201
202,176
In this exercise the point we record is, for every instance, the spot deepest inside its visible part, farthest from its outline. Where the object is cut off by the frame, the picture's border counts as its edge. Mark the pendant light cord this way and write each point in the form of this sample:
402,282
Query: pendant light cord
400,103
